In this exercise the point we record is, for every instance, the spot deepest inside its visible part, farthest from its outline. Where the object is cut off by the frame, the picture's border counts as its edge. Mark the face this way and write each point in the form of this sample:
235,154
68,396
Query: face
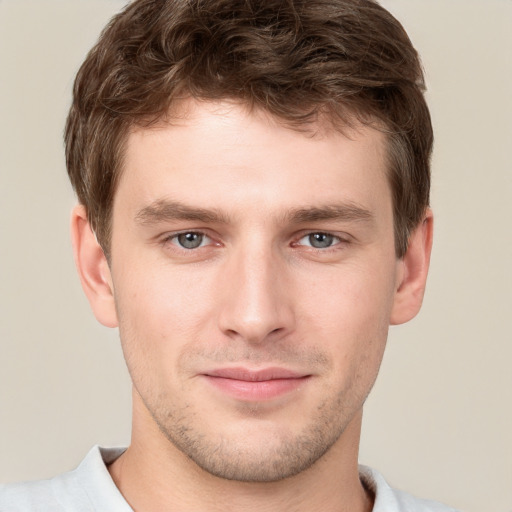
254,275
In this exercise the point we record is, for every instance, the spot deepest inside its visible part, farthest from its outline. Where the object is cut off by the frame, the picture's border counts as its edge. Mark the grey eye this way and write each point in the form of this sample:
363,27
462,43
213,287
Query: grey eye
190,240
320,240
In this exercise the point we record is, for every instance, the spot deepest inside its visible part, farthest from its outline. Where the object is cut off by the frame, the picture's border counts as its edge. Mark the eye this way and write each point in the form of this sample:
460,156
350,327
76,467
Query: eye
319,240
190,240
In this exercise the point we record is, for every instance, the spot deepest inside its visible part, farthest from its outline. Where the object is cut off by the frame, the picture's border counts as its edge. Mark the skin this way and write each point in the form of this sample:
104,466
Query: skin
255,294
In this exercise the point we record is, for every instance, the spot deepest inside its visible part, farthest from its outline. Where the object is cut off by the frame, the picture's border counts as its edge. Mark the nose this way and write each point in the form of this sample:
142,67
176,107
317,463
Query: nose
257,301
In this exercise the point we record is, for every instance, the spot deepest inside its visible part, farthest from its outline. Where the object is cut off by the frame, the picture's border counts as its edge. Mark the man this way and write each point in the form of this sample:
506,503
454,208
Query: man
253,180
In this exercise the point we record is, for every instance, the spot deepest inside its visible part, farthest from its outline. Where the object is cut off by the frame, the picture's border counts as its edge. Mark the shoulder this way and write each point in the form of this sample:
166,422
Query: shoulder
388,499
41,496
83,489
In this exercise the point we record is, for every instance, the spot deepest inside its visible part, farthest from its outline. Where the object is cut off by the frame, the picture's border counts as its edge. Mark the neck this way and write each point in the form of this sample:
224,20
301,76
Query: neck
154,475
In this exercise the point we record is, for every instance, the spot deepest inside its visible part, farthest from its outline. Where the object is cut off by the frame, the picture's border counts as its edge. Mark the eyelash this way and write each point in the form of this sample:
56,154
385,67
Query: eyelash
174,236
336,241
339,242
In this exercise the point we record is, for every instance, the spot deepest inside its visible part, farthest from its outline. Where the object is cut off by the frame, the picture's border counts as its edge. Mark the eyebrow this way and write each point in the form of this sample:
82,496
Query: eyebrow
343,212
164,210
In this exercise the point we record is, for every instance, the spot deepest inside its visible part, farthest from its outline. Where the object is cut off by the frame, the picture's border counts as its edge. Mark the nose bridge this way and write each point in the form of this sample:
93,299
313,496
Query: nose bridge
255,303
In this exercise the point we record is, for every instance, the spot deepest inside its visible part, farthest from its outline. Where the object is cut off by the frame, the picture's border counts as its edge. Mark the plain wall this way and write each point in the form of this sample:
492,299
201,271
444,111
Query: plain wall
439,421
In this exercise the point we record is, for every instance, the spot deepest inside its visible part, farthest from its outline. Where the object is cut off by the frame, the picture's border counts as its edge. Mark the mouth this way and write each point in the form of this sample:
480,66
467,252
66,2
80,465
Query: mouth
256,385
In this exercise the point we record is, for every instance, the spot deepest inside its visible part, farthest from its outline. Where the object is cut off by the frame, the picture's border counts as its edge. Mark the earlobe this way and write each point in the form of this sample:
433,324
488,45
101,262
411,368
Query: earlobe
413,274
93,268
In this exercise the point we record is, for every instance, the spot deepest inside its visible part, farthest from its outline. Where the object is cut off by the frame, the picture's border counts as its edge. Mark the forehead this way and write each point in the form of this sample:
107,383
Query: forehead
221,155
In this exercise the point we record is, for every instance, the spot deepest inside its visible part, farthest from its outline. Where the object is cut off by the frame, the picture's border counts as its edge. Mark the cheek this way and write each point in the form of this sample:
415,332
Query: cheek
161,300
164,313
354,298
159,314
351,314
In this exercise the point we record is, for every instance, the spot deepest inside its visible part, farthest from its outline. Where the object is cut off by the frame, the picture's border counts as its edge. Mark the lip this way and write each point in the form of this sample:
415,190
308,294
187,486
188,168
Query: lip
256,385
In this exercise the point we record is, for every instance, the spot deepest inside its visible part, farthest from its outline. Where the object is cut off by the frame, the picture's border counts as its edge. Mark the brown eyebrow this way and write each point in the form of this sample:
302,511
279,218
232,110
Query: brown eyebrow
165,210
346,212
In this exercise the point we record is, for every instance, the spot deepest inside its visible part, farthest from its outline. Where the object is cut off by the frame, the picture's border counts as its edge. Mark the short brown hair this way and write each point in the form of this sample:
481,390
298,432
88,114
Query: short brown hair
296,59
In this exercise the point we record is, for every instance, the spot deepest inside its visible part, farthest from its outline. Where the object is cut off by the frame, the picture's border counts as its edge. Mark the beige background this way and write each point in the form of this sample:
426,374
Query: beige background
439,422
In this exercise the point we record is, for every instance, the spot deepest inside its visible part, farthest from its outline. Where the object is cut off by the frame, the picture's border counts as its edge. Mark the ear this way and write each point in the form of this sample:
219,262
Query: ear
413,270
93,268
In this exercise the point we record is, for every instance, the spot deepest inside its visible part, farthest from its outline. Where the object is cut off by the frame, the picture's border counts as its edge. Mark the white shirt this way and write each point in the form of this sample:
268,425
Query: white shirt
90,488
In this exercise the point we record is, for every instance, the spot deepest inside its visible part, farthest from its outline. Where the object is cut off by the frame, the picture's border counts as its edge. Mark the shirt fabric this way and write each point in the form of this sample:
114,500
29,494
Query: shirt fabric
90,488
